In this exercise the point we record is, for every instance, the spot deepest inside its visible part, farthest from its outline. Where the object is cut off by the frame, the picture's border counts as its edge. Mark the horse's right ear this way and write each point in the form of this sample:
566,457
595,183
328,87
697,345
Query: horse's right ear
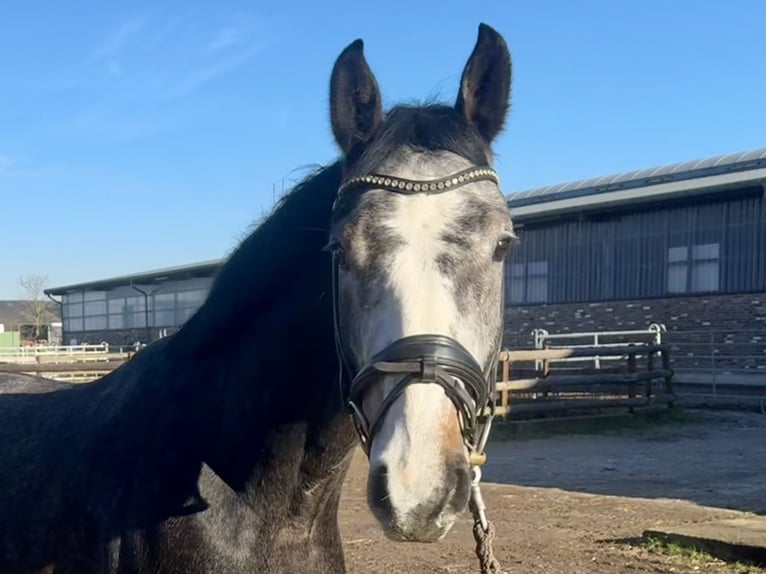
356,111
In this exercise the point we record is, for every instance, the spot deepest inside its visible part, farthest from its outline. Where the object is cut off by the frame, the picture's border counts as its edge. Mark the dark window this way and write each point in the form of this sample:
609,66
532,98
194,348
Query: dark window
678,269
527,282
695,270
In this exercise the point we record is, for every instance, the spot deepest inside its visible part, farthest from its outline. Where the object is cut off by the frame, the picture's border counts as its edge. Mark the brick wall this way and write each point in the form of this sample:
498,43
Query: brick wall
705,332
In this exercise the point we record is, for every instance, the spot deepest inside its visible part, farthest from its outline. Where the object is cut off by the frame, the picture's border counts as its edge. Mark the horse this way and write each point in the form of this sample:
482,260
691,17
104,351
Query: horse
366,309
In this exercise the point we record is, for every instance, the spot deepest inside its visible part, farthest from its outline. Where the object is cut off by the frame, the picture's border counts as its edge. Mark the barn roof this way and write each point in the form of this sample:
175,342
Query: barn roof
199,269
687,176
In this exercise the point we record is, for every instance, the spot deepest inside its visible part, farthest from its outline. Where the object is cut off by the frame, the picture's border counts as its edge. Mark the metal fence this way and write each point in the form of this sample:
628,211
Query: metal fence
577,373
30,354
718,364
719,353
543,339
71,363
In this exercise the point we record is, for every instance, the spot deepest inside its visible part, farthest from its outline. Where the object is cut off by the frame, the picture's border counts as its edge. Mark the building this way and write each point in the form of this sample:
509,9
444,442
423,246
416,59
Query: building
683,245
133,308
20,320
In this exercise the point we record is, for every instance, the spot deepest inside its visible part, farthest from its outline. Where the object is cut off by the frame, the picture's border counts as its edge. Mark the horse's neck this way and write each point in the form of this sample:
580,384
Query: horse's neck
277,428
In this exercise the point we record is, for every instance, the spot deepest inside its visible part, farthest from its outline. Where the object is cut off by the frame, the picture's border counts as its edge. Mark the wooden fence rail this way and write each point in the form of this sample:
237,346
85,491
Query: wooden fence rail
76,363
531,382
638,375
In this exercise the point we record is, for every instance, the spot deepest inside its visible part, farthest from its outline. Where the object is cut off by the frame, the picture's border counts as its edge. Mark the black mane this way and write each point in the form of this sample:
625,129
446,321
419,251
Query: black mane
254,277
245,392
422,128
427,128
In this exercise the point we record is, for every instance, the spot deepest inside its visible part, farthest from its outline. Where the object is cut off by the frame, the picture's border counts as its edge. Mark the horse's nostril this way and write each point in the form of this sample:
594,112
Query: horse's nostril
378,488
462,477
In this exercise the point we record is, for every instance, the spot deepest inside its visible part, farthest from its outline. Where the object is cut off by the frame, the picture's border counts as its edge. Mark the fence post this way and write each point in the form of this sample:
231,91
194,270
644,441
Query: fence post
597,359
651,369
631,372
505,396
665,355
539,338
713,362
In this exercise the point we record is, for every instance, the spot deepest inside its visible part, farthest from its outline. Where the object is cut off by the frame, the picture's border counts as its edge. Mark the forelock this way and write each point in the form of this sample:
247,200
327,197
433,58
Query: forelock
428,128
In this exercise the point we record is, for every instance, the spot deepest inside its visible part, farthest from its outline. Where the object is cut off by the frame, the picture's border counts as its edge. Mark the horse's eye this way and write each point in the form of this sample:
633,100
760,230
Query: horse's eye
337,251
502,246
340,256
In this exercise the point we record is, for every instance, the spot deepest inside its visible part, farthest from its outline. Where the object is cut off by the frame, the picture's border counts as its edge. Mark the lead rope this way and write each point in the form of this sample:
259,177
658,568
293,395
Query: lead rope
483,529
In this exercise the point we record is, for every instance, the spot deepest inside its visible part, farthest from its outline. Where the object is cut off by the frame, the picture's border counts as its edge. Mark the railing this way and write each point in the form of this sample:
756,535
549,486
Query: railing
715,363
614,369
31,352
720,365
720,352
71,363
596,339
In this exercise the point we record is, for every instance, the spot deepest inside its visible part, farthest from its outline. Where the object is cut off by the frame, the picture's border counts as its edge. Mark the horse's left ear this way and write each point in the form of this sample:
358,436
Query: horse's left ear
356,110
486,84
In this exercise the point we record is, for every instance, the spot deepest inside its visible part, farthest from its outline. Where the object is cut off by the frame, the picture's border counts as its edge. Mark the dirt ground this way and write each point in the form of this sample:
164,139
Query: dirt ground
578,503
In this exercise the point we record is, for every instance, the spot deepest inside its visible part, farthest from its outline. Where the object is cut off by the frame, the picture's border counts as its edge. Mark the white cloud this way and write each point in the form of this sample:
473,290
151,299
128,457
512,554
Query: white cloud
228,37
240,30
14,166
209,72
117,38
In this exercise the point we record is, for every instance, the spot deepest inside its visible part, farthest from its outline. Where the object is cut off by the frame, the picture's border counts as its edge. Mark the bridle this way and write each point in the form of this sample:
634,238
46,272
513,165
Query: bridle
425,358
433,359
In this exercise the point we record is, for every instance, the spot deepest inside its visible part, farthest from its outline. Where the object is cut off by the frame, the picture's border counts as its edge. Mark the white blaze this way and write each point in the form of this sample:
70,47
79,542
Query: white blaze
420,300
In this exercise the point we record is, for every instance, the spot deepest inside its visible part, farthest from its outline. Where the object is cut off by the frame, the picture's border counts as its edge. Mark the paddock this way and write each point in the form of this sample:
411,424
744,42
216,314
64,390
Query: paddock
569,502
572,503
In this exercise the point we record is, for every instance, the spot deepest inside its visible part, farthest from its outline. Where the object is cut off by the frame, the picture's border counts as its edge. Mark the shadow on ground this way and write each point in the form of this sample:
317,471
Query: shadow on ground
715,459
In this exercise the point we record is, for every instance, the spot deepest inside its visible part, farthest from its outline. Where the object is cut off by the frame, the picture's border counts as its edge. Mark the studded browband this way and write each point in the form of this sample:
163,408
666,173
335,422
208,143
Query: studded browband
402,185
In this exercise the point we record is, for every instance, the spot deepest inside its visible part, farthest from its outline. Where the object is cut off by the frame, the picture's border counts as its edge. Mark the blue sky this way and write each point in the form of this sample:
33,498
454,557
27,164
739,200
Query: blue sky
144,134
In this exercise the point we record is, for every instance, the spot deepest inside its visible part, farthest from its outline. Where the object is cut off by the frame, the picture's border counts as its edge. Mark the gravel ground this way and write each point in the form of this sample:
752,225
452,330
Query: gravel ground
578,503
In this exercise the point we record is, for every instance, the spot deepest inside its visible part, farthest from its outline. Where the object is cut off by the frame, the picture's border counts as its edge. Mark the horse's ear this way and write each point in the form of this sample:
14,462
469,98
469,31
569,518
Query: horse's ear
356,111
486,84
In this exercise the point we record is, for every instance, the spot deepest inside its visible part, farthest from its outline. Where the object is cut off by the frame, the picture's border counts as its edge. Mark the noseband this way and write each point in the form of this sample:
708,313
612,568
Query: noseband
426,358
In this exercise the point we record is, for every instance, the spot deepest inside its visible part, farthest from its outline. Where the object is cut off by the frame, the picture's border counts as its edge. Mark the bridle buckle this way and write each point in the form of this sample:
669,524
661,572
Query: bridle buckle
428,371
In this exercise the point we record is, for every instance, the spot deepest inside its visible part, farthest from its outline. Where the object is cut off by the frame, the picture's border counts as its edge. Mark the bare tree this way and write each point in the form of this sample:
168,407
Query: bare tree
35,301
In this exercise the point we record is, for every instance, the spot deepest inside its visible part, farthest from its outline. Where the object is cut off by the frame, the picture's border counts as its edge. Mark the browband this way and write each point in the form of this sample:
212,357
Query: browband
402,185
